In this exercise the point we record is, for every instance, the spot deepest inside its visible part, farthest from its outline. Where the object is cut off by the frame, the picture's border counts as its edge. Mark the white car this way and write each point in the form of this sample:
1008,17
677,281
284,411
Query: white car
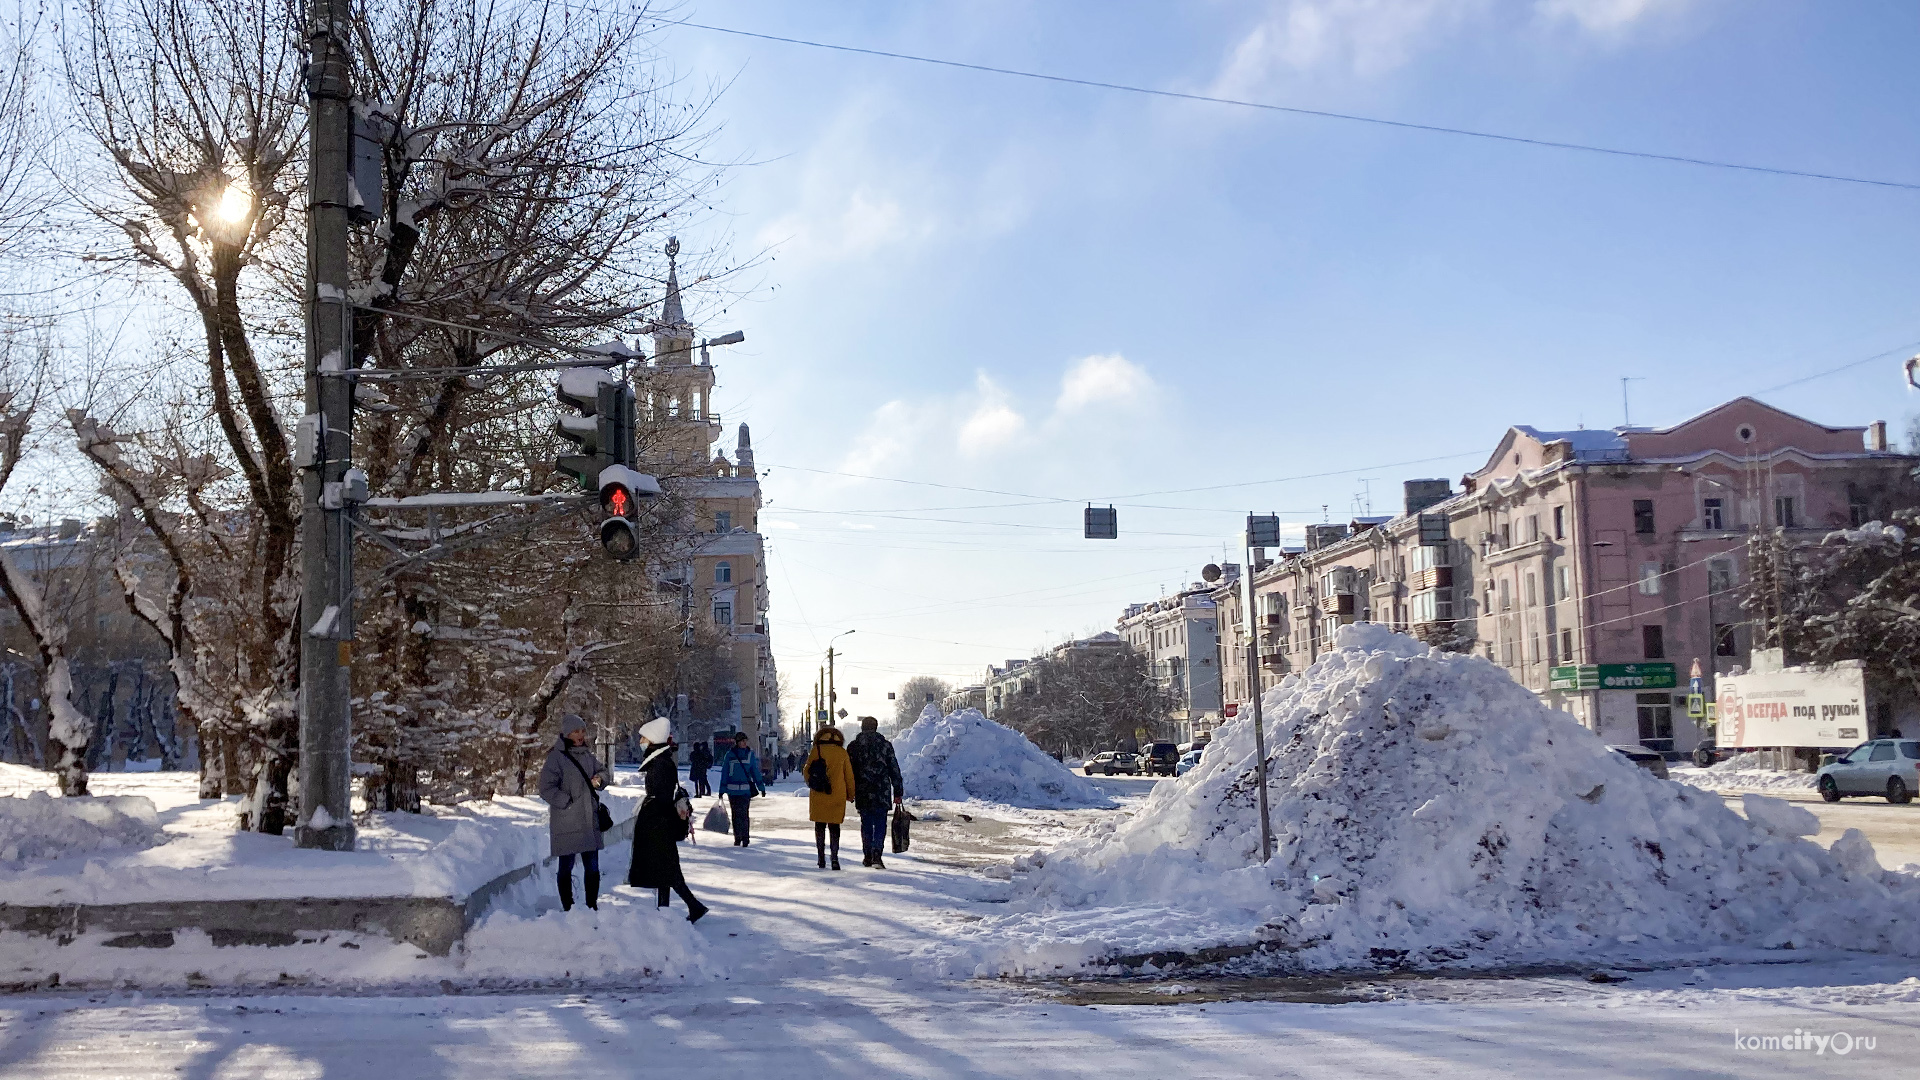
1187,761
1889,767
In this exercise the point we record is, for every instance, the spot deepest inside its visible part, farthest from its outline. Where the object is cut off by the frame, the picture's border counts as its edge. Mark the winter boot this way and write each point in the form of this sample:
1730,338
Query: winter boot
593,889
878,862
566,892
820,844
695,911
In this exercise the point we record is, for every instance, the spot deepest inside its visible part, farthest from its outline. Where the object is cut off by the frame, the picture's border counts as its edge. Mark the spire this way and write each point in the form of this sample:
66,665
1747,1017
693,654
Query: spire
743,452
671,313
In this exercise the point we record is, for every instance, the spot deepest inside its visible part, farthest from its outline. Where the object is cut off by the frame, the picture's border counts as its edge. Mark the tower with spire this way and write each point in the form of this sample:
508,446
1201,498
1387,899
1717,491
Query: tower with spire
724,563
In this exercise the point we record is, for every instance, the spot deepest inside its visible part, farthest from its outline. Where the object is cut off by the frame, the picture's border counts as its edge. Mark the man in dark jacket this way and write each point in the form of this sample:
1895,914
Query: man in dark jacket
739,779
877,787
698,762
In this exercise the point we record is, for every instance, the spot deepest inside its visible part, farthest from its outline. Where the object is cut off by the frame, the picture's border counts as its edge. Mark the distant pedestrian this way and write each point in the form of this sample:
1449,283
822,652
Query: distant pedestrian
877,787
663,821
739,779
830,788
698,762
792,761
568,780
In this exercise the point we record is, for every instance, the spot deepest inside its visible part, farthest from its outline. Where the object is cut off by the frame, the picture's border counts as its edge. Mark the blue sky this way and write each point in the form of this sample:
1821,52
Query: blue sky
1058,293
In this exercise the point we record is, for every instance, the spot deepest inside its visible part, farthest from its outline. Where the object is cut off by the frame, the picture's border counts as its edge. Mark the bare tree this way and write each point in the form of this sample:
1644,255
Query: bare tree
914,695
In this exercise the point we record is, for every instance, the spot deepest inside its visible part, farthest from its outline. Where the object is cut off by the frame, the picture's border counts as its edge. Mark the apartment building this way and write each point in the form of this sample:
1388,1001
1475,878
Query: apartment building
1178,637
1595,566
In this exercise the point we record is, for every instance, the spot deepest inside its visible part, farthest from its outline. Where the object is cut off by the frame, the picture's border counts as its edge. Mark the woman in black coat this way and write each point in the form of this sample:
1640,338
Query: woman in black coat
658,827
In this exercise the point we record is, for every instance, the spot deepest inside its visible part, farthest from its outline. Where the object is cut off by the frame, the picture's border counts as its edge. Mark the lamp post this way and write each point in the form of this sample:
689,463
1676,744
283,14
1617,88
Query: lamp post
833,698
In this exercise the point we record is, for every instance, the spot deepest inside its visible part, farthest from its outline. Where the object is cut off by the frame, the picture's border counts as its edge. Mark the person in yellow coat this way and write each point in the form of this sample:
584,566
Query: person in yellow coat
829,777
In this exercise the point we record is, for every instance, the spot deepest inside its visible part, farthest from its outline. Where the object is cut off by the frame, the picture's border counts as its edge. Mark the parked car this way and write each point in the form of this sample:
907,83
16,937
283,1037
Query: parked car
1651,760
1709,752
1113,761
1889,767
1159,758
1186,763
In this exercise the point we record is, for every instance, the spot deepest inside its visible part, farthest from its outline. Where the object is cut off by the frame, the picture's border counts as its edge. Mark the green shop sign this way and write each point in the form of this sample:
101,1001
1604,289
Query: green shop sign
1612,677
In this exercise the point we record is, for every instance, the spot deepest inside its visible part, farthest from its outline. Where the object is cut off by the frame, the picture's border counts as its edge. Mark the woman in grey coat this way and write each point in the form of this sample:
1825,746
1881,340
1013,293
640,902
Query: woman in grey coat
567,783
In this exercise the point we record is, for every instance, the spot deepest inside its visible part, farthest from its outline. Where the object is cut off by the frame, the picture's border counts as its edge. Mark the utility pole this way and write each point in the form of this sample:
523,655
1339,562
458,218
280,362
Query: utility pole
326,447
833,698
1268,529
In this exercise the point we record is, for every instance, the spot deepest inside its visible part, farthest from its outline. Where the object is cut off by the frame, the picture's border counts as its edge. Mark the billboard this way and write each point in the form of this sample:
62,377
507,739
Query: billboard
1793,707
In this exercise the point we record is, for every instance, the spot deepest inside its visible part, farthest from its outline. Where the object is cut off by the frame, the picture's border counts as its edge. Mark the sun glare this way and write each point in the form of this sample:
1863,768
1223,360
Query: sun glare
235,204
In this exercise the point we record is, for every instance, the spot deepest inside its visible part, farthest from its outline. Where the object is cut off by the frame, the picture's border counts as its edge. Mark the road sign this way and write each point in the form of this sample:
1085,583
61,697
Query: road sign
1435,530
1263,531
1696,706
1102,523
1232,710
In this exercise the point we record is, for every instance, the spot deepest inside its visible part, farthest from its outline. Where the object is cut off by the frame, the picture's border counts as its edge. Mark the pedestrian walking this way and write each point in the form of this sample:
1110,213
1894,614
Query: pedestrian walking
739,779
698,762
830,789
568,781
877,787
793,761
663,821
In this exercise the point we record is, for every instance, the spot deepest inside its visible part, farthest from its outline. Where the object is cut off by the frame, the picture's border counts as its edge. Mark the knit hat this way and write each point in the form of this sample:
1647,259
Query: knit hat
570,724
658,731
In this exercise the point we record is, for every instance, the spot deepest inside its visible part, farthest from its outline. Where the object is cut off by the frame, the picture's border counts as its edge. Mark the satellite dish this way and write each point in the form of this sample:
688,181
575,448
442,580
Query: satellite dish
1210,572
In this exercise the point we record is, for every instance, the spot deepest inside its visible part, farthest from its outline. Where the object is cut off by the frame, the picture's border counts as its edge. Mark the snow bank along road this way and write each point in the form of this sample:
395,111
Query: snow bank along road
829,975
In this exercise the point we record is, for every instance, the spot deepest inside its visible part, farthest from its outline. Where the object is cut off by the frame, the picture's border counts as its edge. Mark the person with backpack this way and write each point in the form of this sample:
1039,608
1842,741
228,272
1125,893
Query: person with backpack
665,818
829,790
569,780
877,788
698,762
739,779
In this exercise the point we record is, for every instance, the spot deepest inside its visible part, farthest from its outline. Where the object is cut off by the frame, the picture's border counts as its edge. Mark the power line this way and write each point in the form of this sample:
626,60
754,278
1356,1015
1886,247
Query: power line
1324,114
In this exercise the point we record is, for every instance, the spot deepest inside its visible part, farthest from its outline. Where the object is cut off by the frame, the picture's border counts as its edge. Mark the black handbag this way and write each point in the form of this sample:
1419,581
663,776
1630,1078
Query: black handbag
602,817
900,838
817,776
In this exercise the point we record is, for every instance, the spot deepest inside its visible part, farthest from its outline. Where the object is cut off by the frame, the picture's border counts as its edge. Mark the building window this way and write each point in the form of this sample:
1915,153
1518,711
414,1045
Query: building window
1506,653
1783,512
1533,527
722,573
1856,505
1720,577
1566,582
1711,516
1643,515
1533,648
1566,645
1533,590
723,521
1653,642
1724,643
1650,579
1656,720
1506,596
1506,536
1559,523
722,613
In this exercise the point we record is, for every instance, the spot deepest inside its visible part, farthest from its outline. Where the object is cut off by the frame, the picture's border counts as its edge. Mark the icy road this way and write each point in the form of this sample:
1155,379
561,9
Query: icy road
830,976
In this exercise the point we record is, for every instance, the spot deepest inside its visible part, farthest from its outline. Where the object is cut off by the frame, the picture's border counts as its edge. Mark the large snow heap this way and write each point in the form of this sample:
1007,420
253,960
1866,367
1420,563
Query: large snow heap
39,826
1427,809
967,756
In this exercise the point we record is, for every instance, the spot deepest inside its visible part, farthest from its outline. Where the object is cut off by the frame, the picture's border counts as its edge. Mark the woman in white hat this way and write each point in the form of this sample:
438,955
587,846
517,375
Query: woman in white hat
661,823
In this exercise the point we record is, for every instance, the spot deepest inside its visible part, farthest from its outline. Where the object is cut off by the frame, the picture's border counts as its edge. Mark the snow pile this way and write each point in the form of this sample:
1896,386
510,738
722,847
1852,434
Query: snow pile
1426,809
40,827
967,756
1752,771
623,939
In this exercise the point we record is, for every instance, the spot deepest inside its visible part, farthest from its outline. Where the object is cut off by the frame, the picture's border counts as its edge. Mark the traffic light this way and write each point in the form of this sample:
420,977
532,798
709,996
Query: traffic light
622,490
604,428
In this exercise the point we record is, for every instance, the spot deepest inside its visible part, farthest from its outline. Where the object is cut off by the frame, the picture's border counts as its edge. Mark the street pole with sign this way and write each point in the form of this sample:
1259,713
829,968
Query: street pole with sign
1262,532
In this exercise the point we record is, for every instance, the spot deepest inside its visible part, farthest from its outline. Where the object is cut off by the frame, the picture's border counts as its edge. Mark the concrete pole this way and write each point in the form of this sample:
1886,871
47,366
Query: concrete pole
1259,725
833,698
326,564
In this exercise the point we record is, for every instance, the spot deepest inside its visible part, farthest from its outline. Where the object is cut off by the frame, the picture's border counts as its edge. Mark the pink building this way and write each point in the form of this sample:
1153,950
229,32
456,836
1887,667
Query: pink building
1596,566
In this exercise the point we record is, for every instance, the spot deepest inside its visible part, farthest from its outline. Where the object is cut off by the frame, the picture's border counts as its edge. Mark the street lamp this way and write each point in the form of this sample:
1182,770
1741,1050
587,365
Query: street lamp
832,698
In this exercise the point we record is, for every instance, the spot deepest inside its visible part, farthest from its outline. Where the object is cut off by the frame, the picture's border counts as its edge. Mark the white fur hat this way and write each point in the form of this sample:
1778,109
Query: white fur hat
658,731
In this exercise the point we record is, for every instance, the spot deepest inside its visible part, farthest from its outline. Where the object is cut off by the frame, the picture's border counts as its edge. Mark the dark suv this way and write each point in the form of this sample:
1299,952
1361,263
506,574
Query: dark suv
1159,758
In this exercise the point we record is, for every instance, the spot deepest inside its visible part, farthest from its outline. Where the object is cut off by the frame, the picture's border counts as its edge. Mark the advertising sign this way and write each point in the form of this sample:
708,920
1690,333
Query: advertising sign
1793,707
1653,676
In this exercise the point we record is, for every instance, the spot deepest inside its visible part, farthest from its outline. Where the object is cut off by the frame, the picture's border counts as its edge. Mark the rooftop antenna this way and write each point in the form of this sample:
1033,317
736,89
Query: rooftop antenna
1626,414
1363,499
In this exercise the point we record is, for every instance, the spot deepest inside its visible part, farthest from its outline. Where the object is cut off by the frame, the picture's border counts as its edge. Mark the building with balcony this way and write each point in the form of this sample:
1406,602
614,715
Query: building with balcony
1596,566
1178,636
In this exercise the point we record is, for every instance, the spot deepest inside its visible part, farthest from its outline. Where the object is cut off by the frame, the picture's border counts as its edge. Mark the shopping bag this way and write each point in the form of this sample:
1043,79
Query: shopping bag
900,819
717,818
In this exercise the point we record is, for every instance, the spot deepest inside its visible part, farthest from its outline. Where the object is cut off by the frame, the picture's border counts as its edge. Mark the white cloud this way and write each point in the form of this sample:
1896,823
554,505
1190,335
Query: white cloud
993,423
1101,378
1370,38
